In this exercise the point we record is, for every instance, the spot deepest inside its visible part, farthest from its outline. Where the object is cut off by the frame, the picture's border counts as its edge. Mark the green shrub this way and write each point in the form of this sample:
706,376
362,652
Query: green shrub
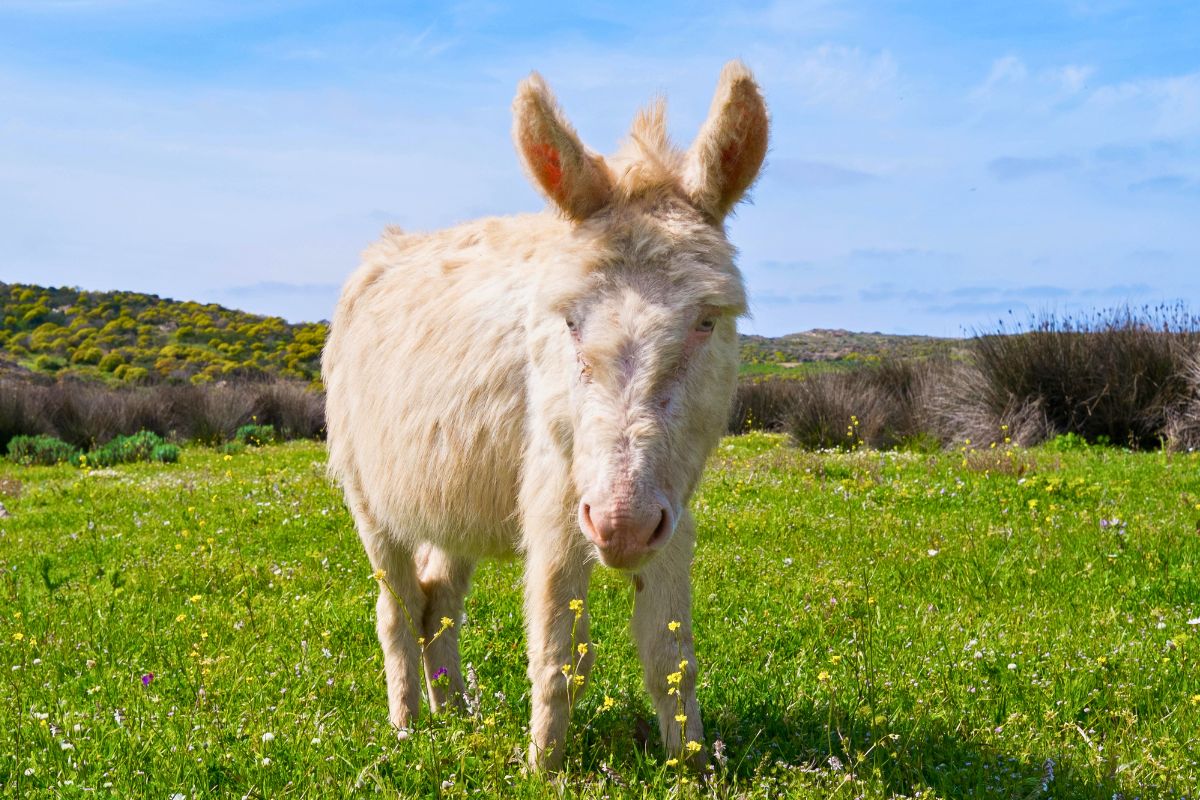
141,446
47,363
40,451
1067,443
87,355
231,448
165,453
255,435
110,362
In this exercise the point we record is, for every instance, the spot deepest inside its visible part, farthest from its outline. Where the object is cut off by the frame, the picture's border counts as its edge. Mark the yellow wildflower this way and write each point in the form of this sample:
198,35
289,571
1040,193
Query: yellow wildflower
693,747
582,648
822,676
181,618
380,574
673,626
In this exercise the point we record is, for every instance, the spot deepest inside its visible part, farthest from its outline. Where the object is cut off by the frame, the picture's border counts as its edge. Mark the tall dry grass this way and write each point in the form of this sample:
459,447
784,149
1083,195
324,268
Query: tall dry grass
88,414
1119,376
1126,377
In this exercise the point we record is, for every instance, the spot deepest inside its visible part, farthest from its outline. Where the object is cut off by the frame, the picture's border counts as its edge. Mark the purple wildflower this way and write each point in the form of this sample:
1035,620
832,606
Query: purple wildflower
147,678
441,673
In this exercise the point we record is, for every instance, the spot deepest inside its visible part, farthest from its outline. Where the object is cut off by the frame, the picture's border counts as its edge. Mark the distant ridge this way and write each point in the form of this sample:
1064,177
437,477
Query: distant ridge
835,344
133,337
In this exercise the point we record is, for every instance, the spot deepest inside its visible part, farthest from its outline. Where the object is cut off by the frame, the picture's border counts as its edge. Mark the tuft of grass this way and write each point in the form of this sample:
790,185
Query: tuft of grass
1003,622
1121,375
761,404
880,406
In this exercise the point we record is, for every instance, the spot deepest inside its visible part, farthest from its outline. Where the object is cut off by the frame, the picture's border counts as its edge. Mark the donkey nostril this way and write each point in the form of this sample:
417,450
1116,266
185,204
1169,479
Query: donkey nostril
589,527
661,530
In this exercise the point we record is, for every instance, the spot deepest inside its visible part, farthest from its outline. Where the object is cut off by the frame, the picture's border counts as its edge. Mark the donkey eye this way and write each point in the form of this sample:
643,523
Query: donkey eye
572,325
706,325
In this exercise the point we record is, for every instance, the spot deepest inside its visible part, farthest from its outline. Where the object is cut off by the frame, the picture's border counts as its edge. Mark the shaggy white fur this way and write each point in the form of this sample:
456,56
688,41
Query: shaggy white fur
548,385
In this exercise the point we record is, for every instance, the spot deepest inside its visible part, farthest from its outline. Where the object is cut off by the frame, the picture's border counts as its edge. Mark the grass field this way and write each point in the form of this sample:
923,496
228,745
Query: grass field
1004,623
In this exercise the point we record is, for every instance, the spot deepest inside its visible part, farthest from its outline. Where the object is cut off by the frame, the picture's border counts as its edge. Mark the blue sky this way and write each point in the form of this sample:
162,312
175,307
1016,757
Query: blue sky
933,165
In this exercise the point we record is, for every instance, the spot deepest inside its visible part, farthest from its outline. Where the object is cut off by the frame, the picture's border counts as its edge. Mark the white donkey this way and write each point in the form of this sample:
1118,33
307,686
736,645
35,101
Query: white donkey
549,385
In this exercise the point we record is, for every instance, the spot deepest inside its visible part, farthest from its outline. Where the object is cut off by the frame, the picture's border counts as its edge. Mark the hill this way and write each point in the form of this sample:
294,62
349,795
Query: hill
835,345
130,337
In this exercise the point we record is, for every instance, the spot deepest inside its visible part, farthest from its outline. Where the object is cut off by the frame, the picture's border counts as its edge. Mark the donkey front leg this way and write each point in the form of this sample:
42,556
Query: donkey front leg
662,628
557,624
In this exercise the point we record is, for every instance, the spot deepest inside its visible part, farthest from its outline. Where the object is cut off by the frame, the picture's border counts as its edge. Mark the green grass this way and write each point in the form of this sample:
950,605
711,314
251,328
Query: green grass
797,370
868,624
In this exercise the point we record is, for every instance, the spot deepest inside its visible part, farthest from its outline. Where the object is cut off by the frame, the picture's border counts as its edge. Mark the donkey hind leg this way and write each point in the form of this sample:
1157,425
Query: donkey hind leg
395,623
667,650
444,579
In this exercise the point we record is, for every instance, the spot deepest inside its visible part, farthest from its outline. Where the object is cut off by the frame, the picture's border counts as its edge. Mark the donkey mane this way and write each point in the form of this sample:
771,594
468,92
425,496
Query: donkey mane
648,166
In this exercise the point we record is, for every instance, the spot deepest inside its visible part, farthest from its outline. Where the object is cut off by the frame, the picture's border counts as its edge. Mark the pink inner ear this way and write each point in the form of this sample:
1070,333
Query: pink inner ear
547,164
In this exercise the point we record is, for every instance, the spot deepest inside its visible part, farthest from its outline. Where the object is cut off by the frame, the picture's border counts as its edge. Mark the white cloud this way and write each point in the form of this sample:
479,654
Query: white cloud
835,75
1010,76
1072,77
1165,106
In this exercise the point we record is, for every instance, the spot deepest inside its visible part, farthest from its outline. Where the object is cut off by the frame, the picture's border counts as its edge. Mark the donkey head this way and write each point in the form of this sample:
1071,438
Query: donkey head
633,332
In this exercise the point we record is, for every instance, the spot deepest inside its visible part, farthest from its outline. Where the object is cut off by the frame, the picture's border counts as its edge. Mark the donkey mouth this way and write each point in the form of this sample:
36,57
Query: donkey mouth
624,561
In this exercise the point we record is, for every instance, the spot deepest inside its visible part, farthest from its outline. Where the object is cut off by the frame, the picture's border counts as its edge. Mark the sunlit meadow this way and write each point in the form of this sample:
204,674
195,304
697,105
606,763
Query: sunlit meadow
995,623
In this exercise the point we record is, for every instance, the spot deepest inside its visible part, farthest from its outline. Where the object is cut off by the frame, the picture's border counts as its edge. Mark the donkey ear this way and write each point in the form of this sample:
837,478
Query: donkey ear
727,154
567,173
